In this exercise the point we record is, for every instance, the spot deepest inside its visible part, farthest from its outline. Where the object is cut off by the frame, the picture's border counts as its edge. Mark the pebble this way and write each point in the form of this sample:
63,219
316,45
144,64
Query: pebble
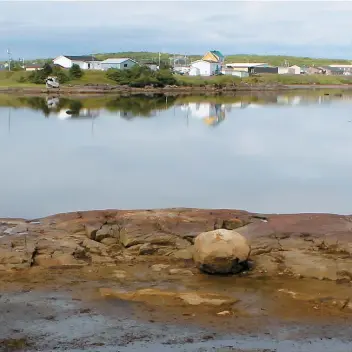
120,274
159,267
224,313
180,272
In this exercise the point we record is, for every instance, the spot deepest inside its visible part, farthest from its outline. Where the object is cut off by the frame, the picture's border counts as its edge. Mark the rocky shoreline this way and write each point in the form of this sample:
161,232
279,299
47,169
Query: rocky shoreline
316,246
109,89
138,264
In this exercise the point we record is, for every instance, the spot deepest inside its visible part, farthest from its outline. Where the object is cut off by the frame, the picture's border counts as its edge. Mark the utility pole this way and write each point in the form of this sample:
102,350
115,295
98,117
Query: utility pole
159,60
9,59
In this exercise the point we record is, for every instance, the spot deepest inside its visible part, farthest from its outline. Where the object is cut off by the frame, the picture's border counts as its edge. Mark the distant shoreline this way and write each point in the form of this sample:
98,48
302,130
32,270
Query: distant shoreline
109,89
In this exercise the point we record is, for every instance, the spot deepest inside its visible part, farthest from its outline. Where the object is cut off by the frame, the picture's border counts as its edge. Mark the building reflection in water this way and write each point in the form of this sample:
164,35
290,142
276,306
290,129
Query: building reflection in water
210,113
70,109
67,113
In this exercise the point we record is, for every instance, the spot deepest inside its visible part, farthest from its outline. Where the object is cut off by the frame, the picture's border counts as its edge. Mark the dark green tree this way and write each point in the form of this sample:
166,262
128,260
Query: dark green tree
165,77
75,72
39,76
47,69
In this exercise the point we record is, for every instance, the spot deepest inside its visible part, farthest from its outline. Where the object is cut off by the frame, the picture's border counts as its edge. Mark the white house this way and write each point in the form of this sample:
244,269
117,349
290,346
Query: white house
85,62
204,68
118,63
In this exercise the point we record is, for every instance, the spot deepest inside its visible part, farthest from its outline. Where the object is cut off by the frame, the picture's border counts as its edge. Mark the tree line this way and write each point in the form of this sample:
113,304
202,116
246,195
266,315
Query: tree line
39,76
137,76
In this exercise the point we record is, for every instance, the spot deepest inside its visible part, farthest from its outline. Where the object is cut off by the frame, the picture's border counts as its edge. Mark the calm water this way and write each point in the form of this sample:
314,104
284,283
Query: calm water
264,153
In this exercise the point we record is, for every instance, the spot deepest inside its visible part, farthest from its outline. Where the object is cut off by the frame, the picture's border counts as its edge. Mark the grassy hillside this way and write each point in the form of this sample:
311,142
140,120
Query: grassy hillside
297,79
11,79
279,60
145,56
93,77
275,60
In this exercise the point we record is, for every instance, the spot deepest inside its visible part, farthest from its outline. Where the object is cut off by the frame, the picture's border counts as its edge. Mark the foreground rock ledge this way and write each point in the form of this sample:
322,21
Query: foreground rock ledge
300,245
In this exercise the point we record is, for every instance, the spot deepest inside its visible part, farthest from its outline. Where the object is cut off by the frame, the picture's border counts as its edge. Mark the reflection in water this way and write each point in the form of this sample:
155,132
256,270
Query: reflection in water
210,109
269,152
211,114
139,105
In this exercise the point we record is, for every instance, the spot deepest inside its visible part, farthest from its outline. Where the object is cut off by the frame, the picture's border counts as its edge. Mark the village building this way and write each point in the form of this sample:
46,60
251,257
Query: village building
204,68
118,63
289,70
85,62
347,69
211,64
181,69
245,66
232,72
214,56
151,65
33,67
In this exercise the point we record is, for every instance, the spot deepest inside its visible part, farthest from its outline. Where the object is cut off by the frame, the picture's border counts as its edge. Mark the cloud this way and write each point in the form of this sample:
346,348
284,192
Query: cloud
290,27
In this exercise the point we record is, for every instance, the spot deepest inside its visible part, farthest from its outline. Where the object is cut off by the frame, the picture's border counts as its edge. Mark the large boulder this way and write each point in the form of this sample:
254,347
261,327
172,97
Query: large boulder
221,252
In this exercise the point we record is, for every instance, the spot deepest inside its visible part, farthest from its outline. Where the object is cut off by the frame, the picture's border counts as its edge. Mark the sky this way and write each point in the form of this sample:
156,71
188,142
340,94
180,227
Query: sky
41,29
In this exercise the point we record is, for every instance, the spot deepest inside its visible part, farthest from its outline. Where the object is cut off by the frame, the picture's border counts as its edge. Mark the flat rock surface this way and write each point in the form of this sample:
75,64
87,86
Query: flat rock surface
110,237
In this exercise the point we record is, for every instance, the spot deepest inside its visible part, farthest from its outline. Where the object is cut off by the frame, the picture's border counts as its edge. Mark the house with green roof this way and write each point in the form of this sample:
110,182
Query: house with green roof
214,56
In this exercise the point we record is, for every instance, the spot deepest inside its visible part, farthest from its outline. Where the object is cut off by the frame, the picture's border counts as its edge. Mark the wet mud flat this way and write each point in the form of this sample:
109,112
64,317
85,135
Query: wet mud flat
67,310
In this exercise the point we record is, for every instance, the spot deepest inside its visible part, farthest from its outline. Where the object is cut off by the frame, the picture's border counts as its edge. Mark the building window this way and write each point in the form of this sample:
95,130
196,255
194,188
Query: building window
125,65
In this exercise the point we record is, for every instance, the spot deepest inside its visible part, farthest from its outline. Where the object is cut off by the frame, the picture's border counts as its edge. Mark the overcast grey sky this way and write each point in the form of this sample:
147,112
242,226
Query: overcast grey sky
49,28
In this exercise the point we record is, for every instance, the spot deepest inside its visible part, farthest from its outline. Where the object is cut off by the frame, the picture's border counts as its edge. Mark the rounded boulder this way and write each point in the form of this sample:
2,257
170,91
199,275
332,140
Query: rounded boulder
221,252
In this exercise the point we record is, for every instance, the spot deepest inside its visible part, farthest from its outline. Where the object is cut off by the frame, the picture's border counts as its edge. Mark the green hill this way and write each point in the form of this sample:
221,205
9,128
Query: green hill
279,60
275,60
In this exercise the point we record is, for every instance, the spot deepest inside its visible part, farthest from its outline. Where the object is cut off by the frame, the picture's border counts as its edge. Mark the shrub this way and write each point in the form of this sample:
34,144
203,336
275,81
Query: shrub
165,77
60,74
139,76
37,77
22,79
